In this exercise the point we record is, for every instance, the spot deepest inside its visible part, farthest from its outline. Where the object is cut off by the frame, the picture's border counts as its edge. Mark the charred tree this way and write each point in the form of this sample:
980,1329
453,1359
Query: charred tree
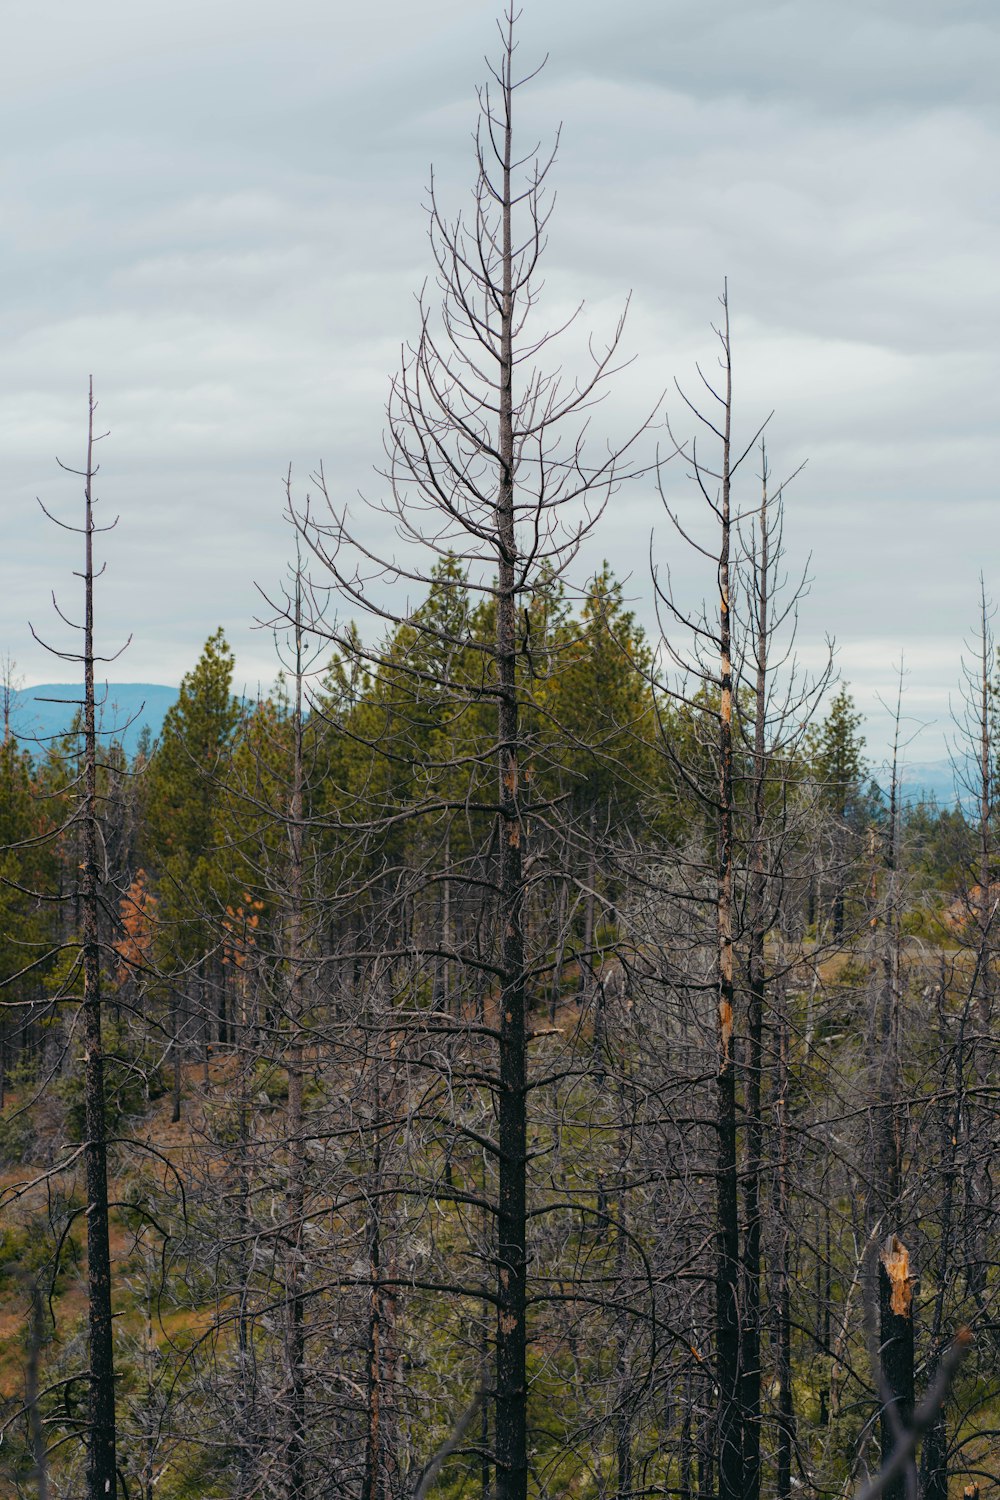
492,503
296,1439
102,1476
895,1307
757,928
101,1472
727,1268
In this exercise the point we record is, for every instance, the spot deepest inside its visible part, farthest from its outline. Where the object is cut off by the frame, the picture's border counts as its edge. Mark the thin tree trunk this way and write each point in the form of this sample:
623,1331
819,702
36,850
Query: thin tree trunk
686,1446
980,1176
555,992
588,960
729,1433
624,1416
447,930
175,1050
786,1410
896,1352
750,1352
485,1470
295,1441
707,1432
373,1470
38,1448
511,1336
934,1454
101,1469
894,1287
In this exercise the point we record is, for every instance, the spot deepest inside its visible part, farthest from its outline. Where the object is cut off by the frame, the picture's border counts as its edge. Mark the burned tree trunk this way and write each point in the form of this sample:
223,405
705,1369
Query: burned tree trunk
730,1444
786,1409
893,1293
296,1437
934,1454
101,1467
511,1286
757,922
372,1487
895,1309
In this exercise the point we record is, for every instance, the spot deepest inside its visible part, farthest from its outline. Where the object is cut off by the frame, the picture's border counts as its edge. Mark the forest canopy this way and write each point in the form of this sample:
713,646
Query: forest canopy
523,1053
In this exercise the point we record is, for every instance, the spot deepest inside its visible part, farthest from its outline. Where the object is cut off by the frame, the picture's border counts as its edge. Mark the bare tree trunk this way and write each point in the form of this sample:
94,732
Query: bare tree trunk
588,959
38,1448
840,876
728,1330
625,1416
485,1469
295,1441
371,1483
248,1432
686,1445
934,1454
511,1336
895,1301
447,930
896,1352
555,992
518,544
175,1057
786,1410
981,1180
706,1452
757,922
101,1469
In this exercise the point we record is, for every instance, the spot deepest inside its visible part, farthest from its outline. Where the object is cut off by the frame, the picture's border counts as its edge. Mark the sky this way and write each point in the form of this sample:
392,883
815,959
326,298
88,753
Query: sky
218,210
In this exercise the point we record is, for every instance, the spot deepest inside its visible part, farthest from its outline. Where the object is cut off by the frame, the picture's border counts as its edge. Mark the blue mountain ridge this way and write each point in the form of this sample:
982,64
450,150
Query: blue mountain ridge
128,706
929,781
124,708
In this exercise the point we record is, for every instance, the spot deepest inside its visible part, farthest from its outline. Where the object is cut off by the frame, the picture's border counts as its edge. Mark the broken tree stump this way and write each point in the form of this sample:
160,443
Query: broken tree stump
895,1296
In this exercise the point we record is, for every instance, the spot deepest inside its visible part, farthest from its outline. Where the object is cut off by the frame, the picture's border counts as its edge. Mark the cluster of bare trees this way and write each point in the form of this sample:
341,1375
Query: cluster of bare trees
569,1085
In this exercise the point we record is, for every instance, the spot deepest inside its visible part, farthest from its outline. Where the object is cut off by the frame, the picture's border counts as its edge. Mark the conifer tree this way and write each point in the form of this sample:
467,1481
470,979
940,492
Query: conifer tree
841,770
183,785
187,767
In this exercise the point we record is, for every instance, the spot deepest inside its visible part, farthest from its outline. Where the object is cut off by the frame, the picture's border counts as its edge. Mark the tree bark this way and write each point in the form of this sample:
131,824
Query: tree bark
295,1440
786,1408
757,922
728,1330
511,1335
101,1468
895,1352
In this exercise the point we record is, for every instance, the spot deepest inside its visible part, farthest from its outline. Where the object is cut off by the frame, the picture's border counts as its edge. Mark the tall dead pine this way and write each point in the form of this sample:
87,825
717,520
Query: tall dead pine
486,466
101,1459
101,1471
730,1445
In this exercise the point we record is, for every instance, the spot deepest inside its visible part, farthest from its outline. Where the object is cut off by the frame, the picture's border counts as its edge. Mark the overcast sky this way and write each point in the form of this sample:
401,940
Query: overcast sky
215,206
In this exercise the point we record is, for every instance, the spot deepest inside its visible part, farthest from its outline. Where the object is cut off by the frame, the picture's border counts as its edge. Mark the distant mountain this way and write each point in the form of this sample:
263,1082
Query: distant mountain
931,780
124,708
128,706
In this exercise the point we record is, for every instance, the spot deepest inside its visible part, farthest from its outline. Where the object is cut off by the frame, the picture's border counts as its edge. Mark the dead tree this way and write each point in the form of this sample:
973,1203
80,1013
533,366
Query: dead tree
890,1285
895,1315
296,1438
479,479
102,1477
977,778
755,710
